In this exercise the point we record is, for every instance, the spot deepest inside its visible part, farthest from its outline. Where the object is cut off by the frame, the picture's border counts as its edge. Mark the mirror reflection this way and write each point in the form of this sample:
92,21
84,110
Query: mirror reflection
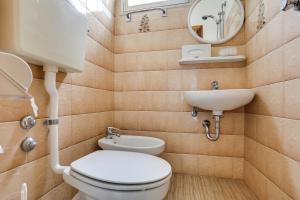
216,20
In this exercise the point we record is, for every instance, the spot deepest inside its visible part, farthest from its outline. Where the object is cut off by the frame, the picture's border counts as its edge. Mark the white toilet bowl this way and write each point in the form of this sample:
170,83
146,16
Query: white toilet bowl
119,175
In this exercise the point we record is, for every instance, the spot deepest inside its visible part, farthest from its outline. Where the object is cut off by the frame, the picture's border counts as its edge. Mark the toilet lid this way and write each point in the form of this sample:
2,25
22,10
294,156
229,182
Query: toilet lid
121,167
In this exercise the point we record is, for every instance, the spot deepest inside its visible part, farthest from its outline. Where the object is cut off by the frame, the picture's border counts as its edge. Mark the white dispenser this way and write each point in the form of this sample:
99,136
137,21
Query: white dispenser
43,32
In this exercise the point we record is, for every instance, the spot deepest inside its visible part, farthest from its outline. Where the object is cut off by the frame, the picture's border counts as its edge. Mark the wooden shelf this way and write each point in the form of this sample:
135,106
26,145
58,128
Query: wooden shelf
218,59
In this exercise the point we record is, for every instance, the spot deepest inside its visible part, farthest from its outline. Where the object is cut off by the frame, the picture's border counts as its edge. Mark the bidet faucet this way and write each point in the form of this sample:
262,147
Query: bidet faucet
215,85
111,132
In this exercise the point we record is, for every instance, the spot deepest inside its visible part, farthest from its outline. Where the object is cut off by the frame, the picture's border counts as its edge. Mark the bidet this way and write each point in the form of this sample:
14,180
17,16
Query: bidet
141,144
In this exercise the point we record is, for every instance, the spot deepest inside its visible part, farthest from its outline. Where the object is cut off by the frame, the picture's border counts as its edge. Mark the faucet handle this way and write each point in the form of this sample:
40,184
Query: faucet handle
111,130
215,85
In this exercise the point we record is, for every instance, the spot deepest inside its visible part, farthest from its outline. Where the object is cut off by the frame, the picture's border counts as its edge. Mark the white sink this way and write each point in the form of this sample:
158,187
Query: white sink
141,144
219,100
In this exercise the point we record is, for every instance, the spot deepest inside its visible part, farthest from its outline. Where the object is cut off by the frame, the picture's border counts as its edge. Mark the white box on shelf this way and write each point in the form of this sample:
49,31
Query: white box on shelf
196,51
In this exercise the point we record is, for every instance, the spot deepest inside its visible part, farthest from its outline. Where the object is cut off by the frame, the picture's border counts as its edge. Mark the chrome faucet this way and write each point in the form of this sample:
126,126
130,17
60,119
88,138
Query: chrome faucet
111,132
215,85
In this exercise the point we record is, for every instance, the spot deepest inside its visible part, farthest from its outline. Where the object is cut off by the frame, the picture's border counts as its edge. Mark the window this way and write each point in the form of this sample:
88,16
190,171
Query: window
131,5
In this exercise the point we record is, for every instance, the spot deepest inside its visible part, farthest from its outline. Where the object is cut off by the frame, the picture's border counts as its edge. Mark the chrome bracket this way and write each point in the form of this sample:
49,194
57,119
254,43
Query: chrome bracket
195,112
51,122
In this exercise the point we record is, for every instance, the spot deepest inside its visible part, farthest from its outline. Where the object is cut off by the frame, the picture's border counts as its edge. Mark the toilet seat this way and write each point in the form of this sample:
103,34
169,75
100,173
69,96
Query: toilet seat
118,187
121,167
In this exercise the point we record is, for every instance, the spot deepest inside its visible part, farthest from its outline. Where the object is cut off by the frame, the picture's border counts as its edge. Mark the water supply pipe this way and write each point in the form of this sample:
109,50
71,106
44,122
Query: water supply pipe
52,121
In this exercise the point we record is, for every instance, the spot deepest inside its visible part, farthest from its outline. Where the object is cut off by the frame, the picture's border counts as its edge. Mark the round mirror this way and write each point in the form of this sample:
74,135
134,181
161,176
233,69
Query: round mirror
216,21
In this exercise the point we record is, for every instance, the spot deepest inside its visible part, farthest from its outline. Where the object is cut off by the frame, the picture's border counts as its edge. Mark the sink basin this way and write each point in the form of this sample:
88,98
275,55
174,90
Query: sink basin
219,100
141,144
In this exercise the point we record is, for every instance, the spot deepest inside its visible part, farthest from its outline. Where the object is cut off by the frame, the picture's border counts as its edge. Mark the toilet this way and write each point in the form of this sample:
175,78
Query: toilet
119,175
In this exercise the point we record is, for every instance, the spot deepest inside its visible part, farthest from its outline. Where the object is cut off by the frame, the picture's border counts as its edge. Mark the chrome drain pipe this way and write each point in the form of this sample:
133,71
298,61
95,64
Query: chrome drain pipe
206,124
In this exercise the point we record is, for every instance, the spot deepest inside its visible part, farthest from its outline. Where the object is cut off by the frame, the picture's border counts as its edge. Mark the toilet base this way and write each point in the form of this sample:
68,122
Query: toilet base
144,195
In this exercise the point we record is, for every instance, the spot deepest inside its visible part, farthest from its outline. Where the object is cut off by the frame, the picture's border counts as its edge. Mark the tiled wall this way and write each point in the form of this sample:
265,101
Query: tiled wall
85,109
149,85
148,100
272,126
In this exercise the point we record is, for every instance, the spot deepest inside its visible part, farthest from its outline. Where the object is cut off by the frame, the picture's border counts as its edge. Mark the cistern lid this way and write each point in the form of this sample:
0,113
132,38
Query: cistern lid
121,167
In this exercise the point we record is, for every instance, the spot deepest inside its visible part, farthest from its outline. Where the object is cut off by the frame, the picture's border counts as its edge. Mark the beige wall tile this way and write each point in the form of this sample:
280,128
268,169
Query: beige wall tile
289,137
160,40
250,126
291,99
97,54
83,100
280,169
274,192
150,100
238,168
261,185
11,137
250,6
290,28
251,24
197,79
271,9
65,132
232,123
81,130
105,79
255,180
207,165
279,134
99,32
164,60
104,100
34,174
258,72
61,192
195,143
102,10
12,111
291,59
274,34
266,40
87,77
268,100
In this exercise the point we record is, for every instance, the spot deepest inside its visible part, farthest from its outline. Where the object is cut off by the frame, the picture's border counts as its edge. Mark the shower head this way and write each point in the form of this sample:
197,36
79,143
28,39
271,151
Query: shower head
205,17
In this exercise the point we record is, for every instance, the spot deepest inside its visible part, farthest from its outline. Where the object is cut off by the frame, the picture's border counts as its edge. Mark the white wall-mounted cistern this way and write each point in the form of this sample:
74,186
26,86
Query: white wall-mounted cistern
50,33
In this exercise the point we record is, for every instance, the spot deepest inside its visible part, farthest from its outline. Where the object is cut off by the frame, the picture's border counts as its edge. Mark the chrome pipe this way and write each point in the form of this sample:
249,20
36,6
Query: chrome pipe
206,125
